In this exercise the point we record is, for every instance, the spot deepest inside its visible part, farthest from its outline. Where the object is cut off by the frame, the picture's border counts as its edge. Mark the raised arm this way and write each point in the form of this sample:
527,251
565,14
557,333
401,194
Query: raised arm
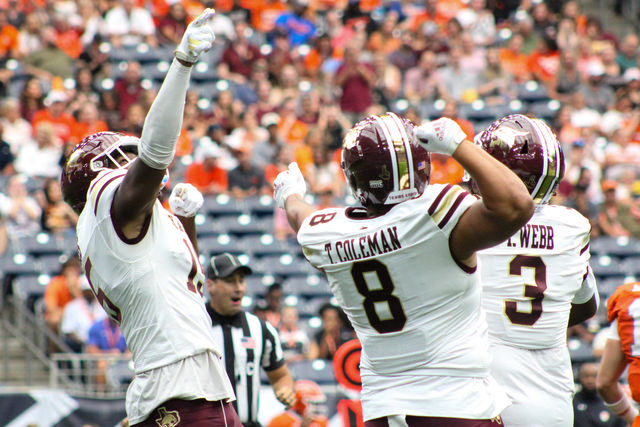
134,199
289,189
505,205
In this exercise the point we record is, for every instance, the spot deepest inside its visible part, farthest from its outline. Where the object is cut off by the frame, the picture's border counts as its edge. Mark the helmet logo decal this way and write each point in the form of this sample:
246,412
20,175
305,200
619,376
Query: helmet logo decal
505,137
385,174
375,183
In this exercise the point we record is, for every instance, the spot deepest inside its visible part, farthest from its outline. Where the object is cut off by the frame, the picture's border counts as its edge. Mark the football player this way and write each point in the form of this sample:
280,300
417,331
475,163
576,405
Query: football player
310,409
621,349
403,265
537,282
142,261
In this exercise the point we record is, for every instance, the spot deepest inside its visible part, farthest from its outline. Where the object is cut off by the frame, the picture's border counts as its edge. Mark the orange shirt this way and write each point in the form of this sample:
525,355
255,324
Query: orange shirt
517,64
544,66
8,39
57,293
292,419
81,129
63,124
624,305
264,16
69,42
445,170
196,175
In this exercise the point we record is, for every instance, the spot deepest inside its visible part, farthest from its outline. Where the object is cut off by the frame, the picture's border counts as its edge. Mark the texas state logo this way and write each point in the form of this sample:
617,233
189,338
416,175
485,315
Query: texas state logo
167,419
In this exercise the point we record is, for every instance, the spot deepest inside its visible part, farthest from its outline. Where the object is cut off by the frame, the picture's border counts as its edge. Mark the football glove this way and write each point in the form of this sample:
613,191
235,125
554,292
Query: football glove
185,200
440,136
287,183
197,39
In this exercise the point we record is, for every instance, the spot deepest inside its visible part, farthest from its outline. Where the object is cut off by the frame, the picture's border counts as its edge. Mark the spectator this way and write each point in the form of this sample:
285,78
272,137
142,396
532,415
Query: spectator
41,156
514,59
88,122
172,25
496,84
385,39
295,341
264,151
93,58
6,156
67,37
628,56
58,292
128,88
588,408
104,338
9,37
55,112
246,180
479,22
459,85
567,80
80,314
473,57
334,125
29,38
4,236
57,216
612,217
388,85
423,83
84,91
248,342
323,174
356,79
544,60
16,130
20,211
204,173
273,298
128,25
598,96
334,333
239,56
31,98
297,26
49,61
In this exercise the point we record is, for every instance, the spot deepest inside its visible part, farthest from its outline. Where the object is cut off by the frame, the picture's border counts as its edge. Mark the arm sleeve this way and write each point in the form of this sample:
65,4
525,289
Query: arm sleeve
164,121
272,356
613,331
587,290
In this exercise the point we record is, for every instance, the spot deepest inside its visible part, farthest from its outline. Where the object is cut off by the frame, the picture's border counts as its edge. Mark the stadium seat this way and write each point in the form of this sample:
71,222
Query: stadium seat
615,246
42,244
51,264
532,91
607,286
260,206
241,225
261,245
215,245
284,266
631,267
319,371
546,110
29,288
19,264
309,286
205,226
579,351
256,285
606,266
222,205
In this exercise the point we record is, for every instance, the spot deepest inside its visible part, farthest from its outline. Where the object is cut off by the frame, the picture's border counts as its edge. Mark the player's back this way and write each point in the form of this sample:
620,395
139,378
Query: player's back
152,285
413,307
530,281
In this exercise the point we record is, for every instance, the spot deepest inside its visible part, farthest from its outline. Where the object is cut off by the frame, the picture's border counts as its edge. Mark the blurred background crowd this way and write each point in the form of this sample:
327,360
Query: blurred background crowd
284,82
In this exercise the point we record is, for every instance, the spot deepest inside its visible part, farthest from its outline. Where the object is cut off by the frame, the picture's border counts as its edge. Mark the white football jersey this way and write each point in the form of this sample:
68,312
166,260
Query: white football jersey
152,286
416,311
530,281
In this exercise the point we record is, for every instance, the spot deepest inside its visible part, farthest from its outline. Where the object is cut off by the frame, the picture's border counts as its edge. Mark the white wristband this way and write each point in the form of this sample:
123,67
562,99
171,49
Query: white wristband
623,409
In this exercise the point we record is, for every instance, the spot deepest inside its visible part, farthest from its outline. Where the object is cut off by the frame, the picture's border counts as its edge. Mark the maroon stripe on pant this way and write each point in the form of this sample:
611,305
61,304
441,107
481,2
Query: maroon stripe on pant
413,421
196,413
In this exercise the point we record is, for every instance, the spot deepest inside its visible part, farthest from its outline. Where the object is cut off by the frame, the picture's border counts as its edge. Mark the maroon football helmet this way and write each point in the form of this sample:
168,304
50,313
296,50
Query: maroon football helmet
95,153
382,161
529,148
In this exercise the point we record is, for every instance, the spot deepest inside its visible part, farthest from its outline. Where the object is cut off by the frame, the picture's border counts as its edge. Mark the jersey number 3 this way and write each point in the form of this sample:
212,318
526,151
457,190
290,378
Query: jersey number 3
384,294
533,291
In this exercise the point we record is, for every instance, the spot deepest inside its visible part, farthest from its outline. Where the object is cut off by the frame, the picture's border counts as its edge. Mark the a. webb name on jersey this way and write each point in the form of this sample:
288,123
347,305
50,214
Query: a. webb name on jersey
533,236
379,242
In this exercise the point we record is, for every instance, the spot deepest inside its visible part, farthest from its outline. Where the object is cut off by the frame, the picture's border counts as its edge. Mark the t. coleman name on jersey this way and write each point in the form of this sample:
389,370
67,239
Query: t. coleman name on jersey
367,246
534,236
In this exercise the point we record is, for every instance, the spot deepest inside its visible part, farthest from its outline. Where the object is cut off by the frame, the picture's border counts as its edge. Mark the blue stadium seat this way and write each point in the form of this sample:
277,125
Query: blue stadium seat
631,266
309,286
205,226
51,264
29,288
42,244
242,225
607,286
19,264
319,371
615,246
284,266
606,266
260,206
215,245
532,91
256,285
546,110
222,205
261,245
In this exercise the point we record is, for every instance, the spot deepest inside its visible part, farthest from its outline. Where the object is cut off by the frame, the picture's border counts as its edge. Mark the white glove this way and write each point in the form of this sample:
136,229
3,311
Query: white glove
197,39
185,200
287,183
440,136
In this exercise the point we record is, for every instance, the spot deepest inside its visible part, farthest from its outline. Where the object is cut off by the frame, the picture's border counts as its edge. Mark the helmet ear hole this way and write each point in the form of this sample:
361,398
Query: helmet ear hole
525,148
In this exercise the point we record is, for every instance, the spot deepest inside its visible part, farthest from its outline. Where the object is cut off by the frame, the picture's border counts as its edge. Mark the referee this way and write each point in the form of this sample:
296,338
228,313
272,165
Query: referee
248,342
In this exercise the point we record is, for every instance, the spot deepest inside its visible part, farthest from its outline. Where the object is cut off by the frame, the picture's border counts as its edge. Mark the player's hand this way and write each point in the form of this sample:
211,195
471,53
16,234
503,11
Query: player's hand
287,183
197,39
286,396
185,200
440,136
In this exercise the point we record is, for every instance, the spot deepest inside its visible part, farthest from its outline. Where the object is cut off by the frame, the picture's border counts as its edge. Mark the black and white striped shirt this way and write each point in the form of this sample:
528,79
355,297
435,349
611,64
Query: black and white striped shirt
247,343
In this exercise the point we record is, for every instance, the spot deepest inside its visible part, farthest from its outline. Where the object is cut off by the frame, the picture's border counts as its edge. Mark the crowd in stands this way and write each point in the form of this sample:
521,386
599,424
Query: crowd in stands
284,82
